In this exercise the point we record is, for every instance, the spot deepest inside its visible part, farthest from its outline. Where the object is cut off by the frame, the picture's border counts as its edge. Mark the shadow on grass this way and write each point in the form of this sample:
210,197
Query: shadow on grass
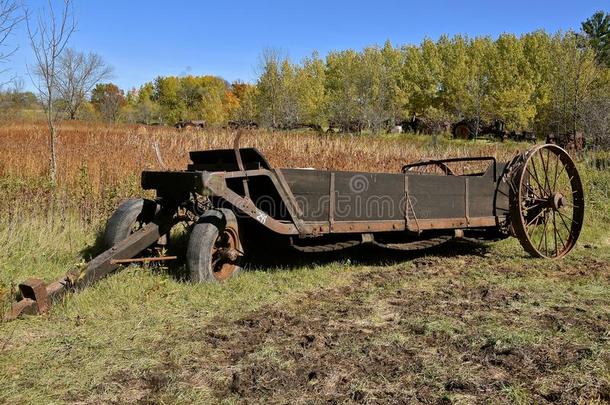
271,258
365,255
98,247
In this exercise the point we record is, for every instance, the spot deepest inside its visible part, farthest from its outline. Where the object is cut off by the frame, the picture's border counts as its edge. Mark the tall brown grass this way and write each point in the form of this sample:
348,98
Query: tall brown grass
99,164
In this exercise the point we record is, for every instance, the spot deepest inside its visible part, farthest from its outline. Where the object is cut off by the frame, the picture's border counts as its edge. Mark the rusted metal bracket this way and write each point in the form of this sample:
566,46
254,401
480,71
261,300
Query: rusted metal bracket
36,297
143,260
466,201
215,182
409,206
240,162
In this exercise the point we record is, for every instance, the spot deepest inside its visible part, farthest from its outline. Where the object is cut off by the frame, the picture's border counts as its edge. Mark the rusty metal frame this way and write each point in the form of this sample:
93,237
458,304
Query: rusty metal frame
442,163
219,188
214,183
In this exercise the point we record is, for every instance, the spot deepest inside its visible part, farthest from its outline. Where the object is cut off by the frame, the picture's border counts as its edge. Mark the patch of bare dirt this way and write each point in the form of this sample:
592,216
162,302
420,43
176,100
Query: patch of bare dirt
338,346
416,333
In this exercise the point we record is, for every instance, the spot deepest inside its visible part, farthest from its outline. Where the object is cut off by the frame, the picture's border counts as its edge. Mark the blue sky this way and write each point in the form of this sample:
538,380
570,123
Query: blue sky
144,39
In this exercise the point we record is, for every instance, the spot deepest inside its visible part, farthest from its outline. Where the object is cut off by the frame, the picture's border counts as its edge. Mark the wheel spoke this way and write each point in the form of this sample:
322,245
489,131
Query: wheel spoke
563,218
563,169
570,205
533,191
558,233
539,244
535,175
555,232
535,218
545,169
544,235
557,162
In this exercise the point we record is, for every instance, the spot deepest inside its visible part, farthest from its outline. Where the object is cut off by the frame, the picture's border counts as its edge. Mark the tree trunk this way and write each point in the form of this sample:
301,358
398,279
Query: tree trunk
53,157
52,137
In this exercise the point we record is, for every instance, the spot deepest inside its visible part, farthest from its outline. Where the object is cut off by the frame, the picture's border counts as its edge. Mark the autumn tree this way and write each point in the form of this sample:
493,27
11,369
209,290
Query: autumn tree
573,76
510,88
395,94
342,87
372,92
423,71
140,106
533,81
537,48
289,111
206,98
457,67
108,98
246,94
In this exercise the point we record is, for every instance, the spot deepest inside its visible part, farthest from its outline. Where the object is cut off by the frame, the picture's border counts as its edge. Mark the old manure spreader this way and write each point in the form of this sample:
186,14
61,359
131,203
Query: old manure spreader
232,200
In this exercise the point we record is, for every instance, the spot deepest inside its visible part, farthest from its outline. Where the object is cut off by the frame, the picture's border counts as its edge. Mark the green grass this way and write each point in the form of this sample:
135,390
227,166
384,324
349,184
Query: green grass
144,335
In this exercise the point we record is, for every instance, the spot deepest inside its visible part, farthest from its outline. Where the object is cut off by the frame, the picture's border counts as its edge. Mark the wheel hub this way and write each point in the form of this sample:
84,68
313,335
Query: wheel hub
557,201
225,255
228,254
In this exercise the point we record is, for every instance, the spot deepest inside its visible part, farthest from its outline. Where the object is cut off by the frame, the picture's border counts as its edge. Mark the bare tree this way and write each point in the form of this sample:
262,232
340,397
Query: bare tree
77,75
9,18
49,34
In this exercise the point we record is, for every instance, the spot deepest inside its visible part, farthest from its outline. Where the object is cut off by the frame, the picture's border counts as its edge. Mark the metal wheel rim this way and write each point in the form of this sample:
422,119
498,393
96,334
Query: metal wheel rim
547,174
222,266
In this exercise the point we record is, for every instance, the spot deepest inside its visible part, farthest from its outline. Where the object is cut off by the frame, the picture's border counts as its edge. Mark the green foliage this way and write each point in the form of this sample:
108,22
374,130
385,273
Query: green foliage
536,81
311,91
271,89
171,99
597,30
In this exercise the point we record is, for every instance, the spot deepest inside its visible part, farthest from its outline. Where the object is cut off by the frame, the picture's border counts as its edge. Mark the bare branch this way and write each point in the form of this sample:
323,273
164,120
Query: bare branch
49,37
10,17
77,74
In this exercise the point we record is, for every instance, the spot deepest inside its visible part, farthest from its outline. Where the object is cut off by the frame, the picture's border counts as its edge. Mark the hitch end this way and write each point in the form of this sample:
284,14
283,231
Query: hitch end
34,299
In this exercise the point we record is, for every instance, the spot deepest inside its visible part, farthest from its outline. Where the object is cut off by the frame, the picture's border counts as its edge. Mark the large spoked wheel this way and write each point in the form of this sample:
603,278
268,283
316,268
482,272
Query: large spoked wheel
547,205
214,249
128,218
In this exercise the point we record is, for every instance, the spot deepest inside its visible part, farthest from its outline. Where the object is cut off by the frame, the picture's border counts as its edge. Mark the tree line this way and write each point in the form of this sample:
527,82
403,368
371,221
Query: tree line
546,83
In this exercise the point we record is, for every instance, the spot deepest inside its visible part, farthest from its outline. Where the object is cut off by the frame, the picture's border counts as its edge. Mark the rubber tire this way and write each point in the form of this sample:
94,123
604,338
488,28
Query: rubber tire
120,224
202,239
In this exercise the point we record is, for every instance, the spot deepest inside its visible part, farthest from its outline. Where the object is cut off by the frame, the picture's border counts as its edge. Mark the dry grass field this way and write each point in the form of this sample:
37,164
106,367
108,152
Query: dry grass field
464,323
